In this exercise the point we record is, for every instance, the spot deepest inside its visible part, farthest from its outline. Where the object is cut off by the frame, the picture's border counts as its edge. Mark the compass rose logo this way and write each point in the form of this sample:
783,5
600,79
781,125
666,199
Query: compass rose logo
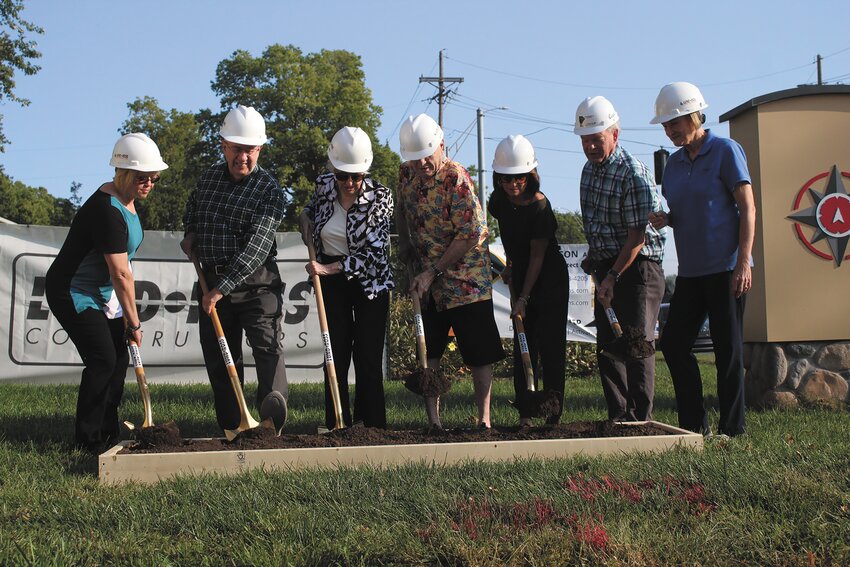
829,215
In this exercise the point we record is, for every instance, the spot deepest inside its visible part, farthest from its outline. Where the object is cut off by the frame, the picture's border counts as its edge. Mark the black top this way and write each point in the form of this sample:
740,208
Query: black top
518,226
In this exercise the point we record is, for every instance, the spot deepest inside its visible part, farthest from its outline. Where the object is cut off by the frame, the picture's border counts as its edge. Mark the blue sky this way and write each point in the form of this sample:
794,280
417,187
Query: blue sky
538,58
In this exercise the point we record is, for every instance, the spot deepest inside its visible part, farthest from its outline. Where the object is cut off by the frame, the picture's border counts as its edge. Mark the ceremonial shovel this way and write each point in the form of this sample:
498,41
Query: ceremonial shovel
246,422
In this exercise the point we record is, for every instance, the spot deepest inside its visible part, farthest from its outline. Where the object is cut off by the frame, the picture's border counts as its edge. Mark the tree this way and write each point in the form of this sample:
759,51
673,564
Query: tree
16,53
304,99
178,136
570,228
23,204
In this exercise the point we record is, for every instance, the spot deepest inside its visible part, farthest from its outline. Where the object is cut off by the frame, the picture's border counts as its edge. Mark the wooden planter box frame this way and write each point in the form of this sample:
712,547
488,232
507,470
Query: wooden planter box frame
148,468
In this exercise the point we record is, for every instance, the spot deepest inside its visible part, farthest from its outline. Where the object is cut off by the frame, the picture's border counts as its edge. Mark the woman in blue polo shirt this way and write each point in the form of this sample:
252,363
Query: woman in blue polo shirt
712,213
90,286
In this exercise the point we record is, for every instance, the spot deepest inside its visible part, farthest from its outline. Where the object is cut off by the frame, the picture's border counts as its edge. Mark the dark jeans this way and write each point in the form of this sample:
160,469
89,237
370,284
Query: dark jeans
629,386
693,299
357,327
546,332
254,307
100,342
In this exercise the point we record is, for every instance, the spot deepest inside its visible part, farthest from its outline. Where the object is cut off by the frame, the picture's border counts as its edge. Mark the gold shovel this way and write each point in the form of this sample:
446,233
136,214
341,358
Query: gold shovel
246,421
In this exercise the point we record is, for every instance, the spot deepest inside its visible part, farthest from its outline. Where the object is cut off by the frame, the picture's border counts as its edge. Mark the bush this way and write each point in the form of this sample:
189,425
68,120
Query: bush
401,351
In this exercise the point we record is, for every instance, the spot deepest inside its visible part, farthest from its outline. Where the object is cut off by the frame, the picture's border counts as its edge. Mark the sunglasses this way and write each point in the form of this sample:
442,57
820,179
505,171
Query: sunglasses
508,177
143,179
343,177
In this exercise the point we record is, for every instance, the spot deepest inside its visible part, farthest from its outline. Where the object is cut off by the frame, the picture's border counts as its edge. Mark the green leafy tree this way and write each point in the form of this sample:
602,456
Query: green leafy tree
305,99
570,229
17,53
23,204
179,138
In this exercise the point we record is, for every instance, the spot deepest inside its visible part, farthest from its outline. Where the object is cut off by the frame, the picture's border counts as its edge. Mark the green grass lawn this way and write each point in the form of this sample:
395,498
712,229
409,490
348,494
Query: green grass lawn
779,495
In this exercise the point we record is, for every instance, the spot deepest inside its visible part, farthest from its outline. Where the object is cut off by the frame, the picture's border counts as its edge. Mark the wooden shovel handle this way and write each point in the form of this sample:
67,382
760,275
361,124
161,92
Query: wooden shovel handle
610,314
421,349
333,384
246,421
136,357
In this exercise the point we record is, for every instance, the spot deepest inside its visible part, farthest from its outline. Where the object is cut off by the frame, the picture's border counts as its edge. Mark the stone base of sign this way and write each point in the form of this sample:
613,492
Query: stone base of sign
118,468
781,375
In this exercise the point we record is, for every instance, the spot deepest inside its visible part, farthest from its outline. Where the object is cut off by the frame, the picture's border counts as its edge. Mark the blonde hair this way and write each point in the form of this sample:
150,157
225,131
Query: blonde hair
124,178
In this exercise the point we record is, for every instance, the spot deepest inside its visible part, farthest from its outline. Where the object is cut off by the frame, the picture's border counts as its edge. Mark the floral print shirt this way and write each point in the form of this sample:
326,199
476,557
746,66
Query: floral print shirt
367,232
435,211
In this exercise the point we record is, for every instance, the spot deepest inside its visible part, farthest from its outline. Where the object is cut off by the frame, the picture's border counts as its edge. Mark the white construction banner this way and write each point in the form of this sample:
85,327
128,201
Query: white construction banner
36,349
580,310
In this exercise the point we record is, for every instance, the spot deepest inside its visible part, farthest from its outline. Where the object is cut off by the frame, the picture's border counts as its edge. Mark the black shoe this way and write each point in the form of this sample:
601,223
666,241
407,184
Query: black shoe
274,408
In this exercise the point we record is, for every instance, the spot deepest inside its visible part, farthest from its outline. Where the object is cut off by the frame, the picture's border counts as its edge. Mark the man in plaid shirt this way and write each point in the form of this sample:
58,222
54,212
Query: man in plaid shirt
624,256
230,224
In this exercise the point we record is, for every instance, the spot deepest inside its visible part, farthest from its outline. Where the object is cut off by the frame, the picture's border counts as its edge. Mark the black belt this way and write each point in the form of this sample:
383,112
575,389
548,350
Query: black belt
217,269
221,269
325,259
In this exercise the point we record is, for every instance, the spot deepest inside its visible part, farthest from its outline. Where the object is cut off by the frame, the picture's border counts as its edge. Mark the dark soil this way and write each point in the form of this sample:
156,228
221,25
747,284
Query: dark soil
428,382
631,346
265,438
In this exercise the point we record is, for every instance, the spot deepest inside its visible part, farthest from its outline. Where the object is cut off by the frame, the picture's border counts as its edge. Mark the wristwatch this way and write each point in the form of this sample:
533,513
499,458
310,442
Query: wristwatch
615,273
437,271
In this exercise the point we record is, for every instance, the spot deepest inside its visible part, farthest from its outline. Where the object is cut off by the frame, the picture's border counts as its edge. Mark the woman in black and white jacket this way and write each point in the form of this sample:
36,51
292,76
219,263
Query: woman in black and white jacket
348,219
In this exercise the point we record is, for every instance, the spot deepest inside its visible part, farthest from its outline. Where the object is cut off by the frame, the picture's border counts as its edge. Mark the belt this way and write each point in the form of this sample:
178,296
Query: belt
217,269
325,259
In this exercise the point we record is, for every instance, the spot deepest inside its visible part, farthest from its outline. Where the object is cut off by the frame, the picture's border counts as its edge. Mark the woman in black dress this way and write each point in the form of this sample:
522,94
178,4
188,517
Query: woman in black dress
536,272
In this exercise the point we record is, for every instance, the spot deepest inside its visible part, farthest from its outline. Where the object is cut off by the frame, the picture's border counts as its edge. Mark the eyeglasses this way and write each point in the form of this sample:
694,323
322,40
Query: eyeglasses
237,149
509,177
343,177
143,179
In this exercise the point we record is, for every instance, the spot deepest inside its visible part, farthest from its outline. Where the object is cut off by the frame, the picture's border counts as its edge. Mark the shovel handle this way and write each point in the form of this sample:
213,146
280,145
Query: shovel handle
609,313
421,350
333,384
136,357
524,353
246,421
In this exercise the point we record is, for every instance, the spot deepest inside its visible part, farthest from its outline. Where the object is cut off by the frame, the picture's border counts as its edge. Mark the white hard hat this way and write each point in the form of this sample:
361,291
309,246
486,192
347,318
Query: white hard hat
420,137
137,152
244,125
593,115
351,150
514,154
677,99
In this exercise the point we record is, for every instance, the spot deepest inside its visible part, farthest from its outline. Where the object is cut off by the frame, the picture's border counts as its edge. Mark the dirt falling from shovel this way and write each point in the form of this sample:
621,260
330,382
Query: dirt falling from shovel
159,436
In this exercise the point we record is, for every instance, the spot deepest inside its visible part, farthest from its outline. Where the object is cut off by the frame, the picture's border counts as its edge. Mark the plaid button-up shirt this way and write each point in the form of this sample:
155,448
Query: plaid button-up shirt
617,195
234,223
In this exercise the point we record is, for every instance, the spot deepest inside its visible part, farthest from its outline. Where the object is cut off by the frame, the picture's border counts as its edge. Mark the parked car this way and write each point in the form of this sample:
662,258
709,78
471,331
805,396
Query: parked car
703,342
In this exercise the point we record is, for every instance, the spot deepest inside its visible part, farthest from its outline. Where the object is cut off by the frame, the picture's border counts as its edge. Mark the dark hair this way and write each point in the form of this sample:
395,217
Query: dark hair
532,183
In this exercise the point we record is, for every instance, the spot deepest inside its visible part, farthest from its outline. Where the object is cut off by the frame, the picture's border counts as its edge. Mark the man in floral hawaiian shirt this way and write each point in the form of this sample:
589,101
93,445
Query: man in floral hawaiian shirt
443,235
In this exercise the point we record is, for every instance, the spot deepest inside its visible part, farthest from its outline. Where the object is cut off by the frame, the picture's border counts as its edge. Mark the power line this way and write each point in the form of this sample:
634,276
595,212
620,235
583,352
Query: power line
632,88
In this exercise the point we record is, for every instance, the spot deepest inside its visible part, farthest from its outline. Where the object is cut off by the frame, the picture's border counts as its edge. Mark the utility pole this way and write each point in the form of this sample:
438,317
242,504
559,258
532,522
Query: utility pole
442,92
482,190
820,69
482,178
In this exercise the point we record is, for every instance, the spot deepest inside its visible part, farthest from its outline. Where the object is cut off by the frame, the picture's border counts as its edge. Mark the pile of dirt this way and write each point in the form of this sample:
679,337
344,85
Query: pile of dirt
358,436
166,435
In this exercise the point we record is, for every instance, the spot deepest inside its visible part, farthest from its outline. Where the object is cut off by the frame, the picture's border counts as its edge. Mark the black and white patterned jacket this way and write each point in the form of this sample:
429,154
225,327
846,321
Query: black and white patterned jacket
367,228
